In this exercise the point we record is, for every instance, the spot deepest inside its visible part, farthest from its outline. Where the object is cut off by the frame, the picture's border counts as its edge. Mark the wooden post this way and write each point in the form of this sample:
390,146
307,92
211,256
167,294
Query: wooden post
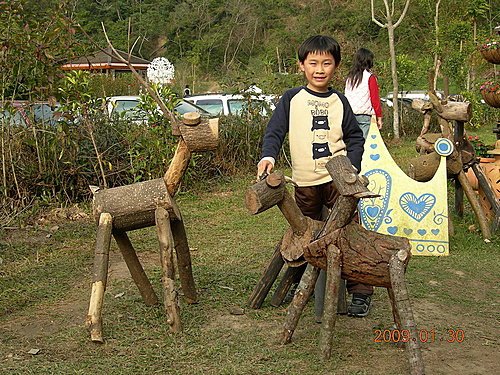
266,281
486,187
134,266
177,168
333,272
99,278
184,264
476,206
397,266
304,292
459,193
292,274
170,296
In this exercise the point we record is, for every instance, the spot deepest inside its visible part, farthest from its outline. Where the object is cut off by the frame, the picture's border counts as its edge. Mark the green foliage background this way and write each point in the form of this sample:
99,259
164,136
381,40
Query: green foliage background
215,46
231,43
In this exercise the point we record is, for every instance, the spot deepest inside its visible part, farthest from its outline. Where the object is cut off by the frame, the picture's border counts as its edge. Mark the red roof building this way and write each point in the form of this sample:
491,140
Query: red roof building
104,63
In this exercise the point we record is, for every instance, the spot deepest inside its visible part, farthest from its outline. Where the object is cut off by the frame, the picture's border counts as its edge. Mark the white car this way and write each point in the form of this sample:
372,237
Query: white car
126,107
407,97
227,104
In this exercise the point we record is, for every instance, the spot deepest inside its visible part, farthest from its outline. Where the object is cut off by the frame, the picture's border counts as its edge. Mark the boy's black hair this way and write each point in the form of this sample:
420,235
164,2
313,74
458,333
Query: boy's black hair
363,60
319,44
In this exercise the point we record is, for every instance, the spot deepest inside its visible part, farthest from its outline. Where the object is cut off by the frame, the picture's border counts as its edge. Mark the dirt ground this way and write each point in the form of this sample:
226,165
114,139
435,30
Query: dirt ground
478,353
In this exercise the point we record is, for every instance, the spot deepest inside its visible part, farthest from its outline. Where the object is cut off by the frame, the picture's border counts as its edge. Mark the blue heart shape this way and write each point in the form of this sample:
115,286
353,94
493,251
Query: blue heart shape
408,231
422,232
375,157
373,146
435,231
372,211
374,136
392,230
417,208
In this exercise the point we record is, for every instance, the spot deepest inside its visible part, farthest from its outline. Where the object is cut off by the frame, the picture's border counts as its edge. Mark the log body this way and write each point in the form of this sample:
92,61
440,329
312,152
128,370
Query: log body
458,111
133,206
424,167
365,254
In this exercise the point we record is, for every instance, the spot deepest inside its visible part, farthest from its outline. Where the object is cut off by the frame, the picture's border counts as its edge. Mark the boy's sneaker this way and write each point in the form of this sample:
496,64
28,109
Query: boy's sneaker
360,305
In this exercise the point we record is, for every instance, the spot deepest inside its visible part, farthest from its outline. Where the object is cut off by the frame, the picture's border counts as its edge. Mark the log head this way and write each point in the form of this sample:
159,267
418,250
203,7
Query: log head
199,135
191,118
344,176
266,193
275,179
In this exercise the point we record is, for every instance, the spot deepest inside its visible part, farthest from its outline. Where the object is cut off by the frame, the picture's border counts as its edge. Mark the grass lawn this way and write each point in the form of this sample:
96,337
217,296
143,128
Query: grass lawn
45,277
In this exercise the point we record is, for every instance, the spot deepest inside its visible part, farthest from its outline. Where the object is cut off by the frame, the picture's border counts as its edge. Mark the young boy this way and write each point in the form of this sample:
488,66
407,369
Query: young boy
321,125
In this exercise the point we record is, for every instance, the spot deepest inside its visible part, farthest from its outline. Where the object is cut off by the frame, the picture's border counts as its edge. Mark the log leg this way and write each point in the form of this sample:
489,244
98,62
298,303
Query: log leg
99,277
136,271
319,297
265,283
404,311
304,291
291,276
170,296
476,206
395,313
342,302
184,264
333,272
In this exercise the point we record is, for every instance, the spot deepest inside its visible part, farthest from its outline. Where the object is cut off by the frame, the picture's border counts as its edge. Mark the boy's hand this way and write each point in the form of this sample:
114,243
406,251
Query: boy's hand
263,169
379,122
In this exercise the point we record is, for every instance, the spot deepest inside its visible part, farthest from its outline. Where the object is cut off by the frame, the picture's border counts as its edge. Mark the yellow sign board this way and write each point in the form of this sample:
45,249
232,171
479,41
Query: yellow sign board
407,208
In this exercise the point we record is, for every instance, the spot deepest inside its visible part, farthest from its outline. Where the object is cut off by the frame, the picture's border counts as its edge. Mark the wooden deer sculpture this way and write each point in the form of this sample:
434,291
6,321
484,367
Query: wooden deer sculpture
344,249
144,204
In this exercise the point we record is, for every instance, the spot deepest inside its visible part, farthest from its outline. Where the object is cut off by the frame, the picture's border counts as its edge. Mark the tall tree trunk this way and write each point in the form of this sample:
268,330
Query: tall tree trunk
389,12
394,74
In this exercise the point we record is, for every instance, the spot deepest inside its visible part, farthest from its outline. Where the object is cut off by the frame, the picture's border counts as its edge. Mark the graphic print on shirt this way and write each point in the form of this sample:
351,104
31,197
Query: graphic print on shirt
320,149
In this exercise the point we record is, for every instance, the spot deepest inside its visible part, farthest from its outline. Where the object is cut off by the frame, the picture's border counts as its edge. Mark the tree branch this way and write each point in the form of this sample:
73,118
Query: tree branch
151,92
402,14
373,16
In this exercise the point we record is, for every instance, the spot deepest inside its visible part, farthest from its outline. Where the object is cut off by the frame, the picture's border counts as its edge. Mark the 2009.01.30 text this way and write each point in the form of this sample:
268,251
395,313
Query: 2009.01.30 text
422,335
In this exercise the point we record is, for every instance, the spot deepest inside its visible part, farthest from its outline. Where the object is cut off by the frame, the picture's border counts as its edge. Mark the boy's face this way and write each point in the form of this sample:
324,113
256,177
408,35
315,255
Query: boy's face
318,69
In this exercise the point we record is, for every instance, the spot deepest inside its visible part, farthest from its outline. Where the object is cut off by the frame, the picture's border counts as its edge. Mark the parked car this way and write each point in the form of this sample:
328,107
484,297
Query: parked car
127,107
227,104
26,113
407,97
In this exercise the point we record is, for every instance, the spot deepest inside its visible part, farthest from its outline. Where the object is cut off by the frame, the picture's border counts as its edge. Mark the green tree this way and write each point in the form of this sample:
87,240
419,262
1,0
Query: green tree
36,37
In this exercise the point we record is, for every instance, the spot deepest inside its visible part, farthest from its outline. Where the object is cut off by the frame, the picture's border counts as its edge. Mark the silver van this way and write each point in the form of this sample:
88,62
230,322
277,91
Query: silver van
228,104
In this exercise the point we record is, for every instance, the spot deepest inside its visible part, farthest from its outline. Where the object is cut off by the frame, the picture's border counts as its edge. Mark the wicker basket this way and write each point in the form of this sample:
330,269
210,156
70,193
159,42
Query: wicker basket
491,55
491,98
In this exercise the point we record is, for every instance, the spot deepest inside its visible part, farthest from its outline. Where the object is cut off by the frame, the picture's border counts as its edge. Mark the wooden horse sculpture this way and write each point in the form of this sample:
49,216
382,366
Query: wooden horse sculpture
344,249
144,204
